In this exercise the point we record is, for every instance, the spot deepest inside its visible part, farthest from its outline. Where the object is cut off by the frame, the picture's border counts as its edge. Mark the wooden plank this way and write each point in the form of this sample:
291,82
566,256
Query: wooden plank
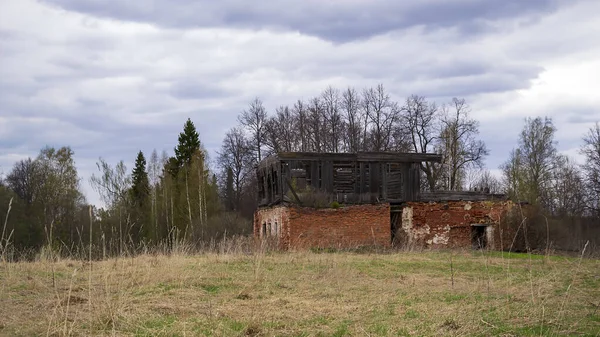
285,175
327,171
279,191
384,181
314,175
398,157
416,169
363,181
406,184
374,176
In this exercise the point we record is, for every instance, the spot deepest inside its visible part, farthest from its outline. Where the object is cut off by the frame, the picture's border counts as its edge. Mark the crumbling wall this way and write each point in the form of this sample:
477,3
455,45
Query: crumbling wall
273,223
430,224
344,227
450,223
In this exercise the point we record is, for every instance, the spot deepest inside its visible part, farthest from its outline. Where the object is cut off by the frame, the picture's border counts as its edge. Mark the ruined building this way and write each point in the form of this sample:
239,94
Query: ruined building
348,200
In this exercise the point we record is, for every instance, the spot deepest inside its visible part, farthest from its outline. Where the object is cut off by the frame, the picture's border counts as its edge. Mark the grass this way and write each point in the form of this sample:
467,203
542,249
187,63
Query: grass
304,294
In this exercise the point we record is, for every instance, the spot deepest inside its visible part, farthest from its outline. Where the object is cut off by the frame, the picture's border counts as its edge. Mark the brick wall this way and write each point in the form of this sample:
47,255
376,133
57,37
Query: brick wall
450,224
273,223
345,227
430,224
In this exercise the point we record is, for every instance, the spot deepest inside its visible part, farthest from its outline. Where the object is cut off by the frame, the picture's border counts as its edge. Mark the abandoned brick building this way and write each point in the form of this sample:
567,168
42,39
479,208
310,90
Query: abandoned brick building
364,199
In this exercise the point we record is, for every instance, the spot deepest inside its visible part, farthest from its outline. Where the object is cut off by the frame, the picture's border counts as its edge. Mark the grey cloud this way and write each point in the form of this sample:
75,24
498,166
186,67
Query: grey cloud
76,82
195,89
582,115
473,85
338,21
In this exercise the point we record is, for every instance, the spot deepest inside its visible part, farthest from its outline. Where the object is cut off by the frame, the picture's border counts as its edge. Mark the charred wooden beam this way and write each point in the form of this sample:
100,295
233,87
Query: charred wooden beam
463,195
391,157
289,184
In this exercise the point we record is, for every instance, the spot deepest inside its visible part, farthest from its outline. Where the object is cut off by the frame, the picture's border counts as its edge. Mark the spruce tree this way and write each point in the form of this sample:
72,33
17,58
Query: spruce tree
140,201
189,143
140,183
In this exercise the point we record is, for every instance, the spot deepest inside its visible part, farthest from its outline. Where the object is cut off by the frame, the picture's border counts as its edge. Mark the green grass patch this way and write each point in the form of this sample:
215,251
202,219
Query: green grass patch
211,288
157,326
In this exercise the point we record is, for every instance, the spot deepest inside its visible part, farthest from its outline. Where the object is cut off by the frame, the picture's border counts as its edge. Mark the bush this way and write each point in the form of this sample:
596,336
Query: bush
311,197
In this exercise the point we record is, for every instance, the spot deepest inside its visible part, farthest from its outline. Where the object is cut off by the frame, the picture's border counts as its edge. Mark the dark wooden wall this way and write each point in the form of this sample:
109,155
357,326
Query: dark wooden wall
345,181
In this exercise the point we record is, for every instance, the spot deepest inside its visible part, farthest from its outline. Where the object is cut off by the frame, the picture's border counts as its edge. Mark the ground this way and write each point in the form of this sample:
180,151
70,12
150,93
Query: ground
304,294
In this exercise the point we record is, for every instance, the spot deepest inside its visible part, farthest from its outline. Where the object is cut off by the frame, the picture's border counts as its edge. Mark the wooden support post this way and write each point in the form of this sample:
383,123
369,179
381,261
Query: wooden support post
406,183
384,180
289,184
363,181
314,175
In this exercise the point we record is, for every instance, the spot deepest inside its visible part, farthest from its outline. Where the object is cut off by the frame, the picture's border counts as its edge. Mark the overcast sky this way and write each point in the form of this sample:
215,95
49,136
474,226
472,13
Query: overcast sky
111,77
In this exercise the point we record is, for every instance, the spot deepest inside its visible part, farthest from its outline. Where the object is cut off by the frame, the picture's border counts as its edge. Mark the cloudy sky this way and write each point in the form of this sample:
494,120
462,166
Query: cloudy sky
111,77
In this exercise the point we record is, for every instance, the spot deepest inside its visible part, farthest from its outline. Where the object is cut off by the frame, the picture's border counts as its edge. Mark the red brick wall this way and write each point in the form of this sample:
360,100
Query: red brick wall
345,227
448,224
432,224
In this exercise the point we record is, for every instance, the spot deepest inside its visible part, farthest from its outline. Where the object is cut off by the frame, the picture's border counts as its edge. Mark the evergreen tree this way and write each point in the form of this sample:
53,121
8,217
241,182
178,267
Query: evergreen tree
140,200
140,188
189,143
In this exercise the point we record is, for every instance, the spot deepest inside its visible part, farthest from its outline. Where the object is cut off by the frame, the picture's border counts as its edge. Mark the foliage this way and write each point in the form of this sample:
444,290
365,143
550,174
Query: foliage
46,191
179,197
140,202
536,173
528,170
189,144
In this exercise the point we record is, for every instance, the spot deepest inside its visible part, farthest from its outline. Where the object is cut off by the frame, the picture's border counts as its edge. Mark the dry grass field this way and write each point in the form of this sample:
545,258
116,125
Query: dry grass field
304,294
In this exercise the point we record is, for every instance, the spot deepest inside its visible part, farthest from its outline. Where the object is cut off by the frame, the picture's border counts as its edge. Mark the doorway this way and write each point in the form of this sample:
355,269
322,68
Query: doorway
479,236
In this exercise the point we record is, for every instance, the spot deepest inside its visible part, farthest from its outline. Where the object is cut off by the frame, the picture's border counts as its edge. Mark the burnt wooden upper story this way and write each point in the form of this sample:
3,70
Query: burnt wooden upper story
362,177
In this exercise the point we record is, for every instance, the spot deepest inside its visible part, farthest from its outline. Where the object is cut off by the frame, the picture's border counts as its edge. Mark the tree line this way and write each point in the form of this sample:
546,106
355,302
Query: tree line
184,197
352,120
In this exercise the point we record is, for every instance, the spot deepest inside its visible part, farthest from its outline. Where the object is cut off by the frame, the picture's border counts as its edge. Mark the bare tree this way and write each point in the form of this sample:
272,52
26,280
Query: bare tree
591,168
383,115
529,169
513,176
254,120
458,144
332,119
300,116
421,124
315,125
154,168
352,118
539,152
485,181
567,190
112,185
235,160
280,131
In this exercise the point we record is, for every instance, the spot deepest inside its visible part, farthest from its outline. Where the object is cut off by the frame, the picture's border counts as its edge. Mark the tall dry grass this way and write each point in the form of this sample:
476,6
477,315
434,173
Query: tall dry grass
240,286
